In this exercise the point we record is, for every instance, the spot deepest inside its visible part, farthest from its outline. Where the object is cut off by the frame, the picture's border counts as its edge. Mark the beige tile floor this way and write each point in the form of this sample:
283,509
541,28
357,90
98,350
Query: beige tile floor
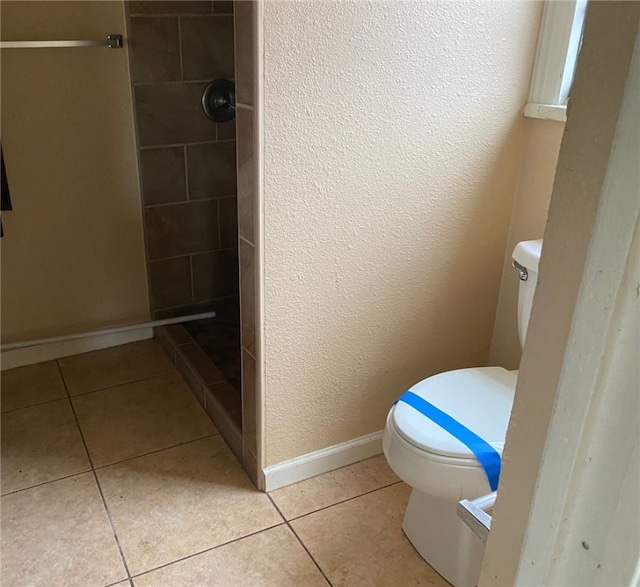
112,474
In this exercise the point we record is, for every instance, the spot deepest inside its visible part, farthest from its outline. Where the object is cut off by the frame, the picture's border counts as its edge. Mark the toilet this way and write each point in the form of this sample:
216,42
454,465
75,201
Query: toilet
440,469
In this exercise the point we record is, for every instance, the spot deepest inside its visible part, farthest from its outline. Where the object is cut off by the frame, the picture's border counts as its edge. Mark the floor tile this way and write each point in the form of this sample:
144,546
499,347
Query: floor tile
58,534
273,558
334,487
360,542
114,366
39,444
182,501
137,418
30,385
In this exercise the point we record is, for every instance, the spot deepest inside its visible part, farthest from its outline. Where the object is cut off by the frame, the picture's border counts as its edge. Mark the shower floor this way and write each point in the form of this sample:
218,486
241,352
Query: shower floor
219,338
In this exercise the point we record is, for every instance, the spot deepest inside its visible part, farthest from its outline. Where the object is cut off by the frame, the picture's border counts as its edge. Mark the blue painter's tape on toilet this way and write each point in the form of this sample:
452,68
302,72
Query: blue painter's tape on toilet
487,456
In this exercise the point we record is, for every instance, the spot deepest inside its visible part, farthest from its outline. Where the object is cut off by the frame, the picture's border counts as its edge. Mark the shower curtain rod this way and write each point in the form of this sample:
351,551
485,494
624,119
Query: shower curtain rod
112,41
154,324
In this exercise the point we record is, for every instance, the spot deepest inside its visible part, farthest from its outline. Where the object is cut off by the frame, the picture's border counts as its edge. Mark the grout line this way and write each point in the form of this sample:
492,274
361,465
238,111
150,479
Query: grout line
49,401
326,507
242,238
337,469
184,558
182,257
95,476
185,144
62,378
47,482
123,383
172,82
183,202
127,581
186,172
223,298
146,454
92,467
174,14
315,562
193,295
176,346
275,505
219,226
180,48
181,444
246,350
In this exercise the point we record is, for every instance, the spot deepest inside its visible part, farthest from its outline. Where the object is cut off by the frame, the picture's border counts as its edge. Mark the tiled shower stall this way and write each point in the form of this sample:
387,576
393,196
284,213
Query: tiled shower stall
198,197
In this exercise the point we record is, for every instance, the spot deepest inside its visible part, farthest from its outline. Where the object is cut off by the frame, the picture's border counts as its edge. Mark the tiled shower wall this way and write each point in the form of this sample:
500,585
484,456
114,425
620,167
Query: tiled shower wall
187,162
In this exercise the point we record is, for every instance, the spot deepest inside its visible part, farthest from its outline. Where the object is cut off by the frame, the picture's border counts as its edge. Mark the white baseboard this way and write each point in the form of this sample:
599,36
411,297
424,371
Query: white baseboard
322,461
48,351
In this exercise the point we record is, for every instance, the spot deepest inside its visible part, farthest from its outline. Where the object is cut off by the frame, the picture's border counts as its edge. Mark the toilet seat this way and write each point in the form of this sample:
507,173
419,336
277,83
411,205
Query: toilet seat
479,398
444,477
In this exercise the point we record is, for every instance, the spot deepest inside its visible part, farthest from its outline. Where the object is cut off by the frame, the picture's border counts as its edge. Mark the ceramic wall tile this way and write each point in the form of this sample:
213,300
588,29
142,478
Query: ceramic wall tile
170,282
211,170
215,274
207,47
137,7
181,229
249,403
155,49
247,296
172,113
246,162
163,175
244,51
228,213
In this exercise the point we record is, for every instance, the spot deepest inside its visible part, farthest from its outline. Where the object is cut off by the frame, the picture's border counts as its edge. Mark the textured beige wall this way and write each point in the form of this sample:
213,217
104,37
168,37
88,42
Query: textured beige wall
528,220
393,137
607,48
73,254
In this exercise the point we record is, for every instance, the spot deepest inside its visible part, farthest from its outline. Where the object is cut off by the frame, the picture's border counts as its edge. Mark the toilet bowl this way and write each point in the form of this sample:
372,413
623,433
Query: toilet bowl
439,467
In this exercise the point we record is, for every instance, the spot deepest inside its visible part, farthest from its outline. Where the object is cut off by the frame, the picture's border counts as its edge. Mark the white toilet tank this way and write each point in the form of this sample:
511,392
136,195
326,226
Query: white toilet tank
526,257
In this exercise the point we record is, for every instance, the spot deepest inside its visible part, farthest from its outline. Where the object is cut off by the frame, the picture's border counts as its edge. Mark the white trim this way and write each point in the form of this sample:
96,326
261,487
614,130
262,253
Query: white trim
57,349
322,461
573,49
554,112
557,52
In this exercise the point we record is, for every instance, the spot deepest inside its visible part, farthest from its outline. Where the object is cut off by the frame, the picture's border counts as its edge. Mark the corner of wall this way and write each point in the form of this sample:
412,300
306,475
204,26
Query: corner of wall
531,203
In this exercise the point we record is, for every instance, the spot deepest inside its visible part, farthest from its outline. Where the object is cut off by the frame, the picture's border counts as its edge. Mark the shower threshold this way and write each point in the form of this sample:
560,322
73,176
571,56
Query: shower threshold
203,352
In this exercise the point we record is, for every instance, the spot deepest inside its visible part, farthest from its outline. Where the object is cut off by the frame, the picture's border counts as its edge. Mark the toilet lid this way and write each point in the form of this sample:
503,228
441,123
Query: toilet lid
480,399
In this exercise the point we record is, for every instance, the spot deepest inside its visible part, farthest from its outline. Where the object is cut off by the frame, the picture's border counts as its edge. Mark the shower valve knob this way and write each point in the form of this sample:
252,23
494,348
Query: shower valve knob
219,100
